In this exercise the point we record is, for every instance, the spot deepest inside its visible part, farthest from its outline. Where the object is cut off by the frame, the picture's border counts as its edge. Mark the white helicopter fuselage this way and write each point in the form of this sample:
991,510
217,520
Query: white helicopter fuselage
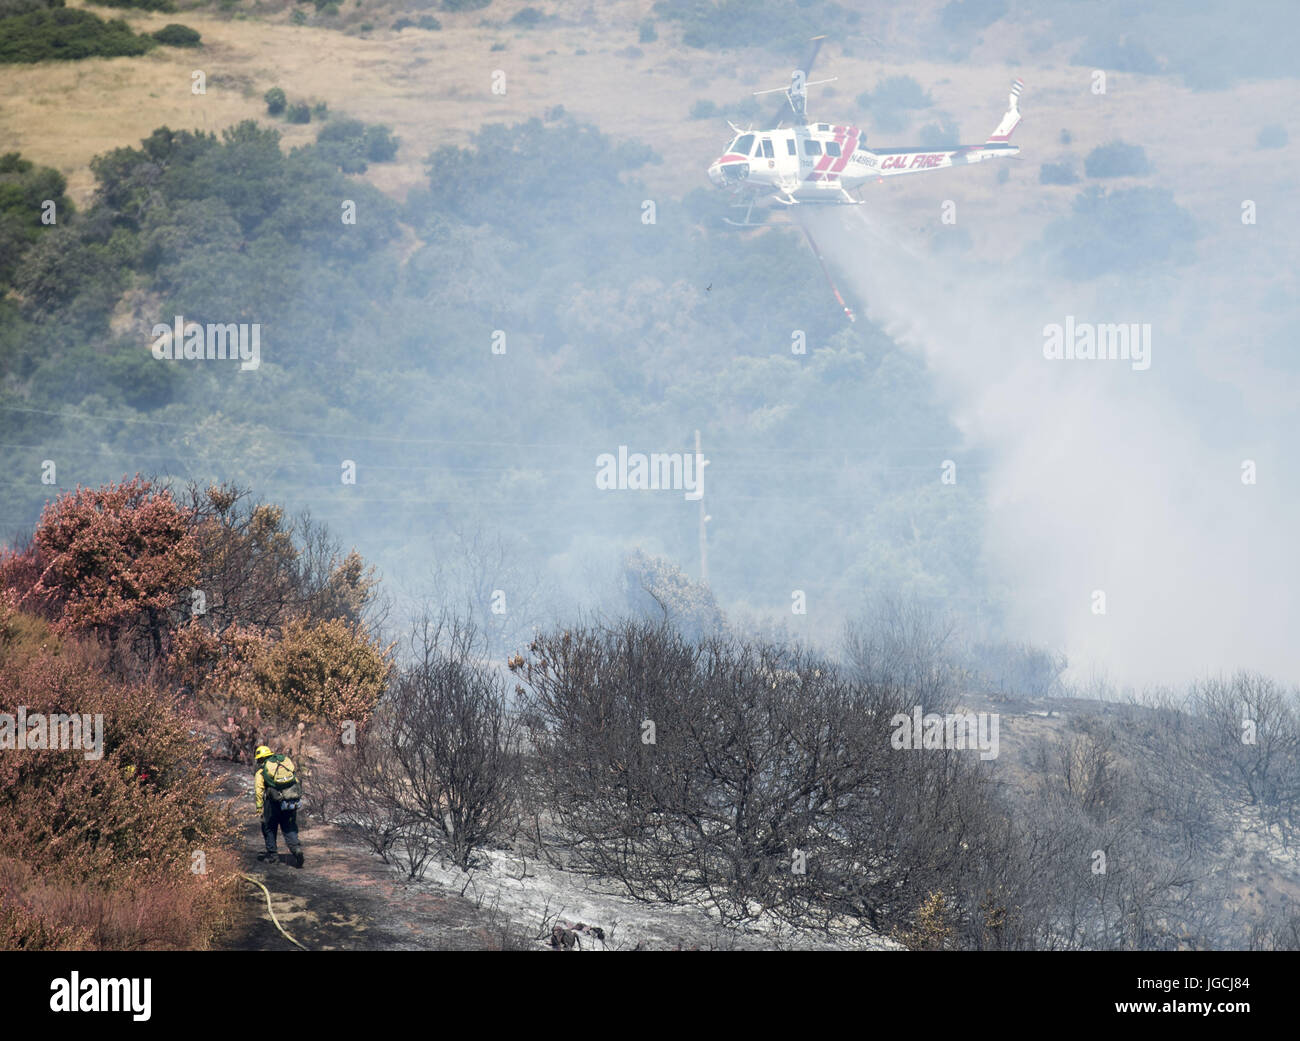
821,162
800,162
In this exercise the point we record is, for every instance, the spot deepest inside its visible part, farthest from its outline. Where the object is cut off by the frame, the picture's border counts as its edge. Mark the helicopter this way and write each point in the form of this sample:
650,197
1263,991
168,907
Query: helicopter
809,163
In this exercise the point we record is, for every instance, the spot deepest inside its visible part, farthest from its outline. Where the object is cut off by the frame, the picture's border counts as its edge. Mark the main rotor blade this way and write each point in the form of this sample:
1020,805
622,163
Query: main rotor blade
807,66
785,113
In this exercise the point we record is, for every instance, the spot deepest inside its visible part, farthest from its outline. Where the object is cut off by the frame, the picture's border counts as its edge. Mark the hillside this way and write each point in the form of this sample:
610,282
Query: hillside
434,88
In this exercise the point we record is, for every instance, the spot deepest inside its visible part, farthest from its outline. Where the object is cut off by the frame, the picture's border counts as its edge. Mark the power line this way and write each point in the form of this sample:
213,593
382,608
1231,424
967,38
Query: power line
388,439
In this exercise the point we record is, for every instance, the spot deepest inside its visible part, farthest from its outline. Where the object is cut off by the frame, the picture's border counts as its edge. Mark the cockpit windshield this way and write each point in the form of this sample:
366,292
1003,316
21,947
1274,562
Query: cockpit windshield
742,145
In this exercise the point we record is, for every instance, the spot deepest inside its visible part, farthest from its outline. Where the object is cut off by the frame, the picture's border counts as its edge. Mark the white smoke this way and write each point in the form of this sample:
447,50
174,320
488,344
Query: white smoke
1102,478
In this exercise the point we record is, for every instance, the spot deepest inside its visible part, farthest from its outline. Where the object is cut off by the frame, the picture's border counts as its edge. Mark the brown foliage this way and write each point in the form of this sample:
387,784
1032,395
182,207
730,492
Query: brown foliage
317,671
110,560
101,852
259,568
933,930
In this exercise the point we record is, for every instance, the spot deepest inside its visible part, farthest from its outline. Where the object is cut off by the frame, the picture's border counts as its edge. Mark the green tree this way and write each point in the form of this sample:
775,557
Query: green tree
275,101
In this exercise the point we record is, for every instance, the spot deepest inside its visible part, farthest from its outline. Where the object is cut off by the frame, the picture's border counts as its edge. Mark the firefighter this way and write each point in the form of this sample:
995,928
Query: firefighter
278,792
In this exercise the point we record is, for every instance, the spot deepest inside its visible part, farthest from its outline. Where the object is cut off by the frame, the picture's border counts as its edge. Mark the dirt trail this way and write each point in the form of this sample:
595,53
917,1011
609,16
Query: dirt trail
342,898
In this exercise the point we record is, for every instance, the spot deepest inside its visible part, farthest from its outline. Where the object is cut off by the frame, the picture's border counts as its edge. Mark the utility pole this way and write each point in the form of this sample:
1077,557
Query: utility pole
704,545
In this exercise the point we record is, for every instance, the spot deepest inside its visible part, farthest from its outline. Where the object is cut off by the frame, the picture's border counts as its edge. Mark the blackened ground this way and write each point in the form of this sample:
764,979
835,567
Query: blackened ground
343,898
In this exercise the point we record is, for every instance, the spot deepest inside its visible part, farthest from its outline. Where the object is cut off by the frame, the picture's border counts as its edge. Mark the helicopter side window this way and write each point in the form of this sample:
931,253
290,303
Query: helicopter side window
833,148
743,144
768,153
811,147
789,145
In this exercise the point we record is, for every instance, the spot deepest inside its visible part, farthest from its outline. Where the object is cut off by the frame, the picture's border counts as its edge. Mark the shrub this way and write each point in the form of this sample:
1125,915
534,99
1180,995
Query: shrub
297,17
963,17
427,21
1110,232
941,135
68,34
438,767
1265,772
14,163
113,561
327,671
367,27
177,36
23,189
98,852
320,111
351,144
893,101
9,8
1117,159
1057,173
165,6
704,109
703,770
298,112
1016,668
932,931
257,568
21,930
275,99
380,144
657,588
22,634
896,92
527,17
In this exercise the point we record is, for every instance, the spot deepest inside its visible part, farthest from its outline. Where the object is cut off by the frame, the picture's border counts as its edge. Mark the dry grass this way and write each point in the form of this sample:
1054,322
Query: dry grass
434,88
142,915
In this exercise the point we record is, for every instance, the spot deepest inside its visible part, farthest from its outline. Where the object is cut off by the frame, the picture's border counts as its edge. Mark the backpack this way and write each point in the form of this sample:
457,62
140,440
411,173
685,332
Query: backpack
282,784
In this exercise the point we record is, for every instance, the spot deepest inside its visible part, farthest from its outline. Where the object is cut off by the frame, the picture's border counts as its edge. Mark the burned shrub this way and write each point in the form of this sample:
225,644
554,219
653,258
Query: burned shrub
754,779
436,770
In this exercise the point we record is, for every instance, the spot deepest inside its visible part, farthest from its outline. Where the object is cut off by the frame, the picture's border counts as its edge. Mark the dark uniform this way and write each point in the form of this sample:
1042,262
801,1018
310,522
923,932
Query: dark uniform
277,815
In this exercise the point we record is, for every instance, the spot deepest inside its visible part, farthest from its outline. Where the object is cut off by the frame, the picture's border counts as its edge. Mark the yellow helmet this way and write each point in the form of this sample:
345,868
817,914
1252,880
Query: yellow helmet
262,752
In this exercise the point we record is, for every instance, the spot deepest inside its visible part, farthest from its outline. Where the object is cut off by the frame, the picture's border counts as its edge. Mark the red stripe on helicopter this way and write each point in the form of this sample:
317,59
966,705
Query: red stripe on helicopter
825,163
829,166
848,145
